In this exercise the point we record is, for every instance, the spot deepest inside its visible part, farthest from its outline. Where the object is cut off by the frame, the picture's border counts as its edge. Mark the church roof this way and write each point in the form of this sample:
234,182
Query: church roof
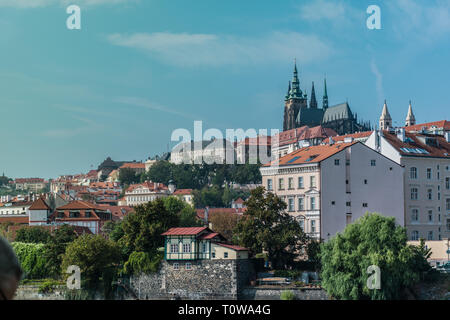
309,117
339,111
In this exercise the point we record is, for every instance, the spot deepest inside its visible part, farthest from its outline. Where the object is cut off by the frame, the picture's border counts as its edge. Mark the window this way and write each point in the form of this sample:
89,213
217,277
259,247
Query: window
336,162
225,255
430,215
313,226
415,215
186,247
269,184
365,205
281,184
300,183
365,181
413,173
301,205
448,224
313,203
176,266
430,194
173,248
430,235
204,247
414,194
447,204
447,183
333,203
415,235
348,204
301,222
373,163
429,174
291,204
291,183
213,254
313,181
188,266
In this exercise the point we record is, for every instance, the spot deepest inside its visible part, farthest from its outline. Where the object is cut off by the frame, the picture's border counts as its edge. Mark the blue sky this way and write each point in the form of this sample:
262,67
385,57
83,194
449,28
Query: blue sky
138,69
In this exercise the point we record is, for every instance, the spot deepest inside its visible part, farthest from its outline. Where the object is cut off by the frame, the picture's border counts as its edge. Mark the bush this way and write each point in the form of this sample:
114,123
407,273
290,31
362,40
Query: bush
287,295
142,262
31,258
48,286
293,274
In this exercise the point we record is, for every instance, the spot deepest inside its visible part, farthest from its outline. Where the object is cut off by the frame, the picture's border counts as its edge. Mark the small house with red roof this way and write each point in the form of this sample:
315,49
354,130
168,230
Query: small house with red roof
40,212
199,243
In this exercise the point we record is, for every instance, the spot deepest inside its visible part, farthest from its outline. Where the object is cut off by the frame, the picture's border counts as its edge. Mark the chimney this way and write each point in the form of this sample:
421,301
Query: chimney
206,216
447,136
401,134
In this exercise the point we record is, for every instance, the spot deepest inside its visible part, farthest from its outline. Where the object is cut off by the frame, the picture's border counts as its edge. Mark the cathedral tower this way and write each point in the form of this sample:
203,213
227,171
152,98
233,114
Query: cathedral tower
313,101
325,95
294,101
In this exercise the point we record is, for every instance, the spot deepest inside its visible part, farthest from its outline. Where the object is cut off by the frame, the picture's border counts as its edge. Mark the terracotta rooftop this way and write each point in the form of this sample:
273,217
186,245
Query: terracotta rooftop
191,231
438,124
182,192
230,246
415,145
39,204
152,186
312,154
303,133
133,165
258,141
78,205
355,136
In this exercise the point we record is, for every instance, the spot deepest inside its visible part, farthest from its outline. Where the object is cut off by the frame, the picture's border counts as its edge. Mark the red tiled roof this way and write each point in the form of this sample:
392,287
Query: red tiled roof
438,124
259,141
78,205
21,220
191,231
442,150
355,136
133,165
39,204
29,180
182,192
312,154
152,186
209,236
230,246
239,201
303,133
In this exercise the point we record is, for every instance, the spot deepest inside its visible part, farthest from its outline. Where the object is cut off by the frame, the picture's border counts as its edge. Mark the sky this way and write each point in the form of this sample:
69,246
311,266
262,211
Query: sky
139,69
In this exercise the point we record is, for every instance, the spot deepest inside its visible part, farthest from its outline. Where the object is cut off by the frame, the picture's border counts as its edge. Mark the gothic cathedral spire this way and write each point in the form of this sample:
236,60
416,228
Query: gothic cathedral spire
313,101
325,95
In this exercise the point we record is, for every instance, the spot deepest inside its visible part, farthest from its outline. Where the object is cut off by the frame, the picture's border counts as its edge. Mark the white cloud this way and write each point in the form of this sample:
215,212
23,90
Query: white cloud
426,22
379,81
184,49
24,4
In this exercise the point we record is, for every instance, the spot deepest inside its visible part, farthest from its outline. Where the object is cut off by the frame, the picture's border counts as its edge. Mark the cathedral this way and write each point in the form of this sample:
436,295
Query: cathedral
297,113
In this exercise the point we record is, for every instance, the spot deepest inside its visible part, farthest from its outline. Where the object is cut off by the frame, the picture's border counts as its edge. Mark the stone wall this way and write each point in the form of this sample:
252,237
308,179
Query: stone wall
255,293
207,279
31,292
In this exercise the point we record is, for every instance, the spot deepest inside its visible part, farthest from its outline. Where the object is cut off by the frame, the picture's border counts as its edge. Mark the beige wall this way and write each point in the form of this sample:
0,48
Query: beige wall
232,254
439,249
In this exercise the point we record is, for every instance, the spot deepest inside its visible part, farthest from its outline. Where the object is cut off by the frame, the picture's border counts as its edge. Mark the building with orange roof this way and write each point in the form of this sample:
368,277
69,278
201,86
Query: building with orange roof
141,193
137,167
185,195
426,161
288,141
326,187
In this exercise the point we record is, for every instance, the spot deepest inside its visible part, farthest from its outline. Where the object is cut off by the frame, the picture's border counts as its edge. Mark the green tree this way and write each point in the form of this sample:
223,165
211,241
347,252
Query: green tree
143,229
32,259
188,217
161,172
266,226
127,176
33,235
371,240
56,247
142,262
95,255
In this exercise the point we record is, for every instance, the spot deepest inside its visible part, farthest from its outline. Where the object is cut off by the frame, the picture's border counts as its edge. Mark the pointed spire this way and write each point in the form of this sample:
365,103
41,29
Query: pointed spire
313,102
410,119
325,94
288,92
385,119
296,92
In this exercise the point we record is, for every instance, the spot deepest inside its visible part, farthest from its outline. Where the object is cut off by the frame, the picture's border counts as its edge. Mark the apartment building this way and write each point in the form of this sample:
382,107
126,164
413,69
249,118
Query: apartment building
426,159
141,193
327,187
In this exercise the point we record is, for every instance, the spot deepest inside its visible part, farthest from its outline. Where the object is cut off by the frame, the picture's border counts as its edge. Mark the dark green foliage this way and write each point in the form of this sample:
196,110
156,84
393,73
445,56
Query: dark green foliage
142,262
95,256
33,235
371,240
56,247
265,226
31,258
128,176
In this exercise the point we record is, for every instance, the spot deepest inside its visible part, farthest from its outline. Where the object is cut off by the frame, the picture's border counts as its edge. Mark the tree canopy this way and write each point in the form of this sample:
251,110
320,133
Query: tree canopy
266,226
371,240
